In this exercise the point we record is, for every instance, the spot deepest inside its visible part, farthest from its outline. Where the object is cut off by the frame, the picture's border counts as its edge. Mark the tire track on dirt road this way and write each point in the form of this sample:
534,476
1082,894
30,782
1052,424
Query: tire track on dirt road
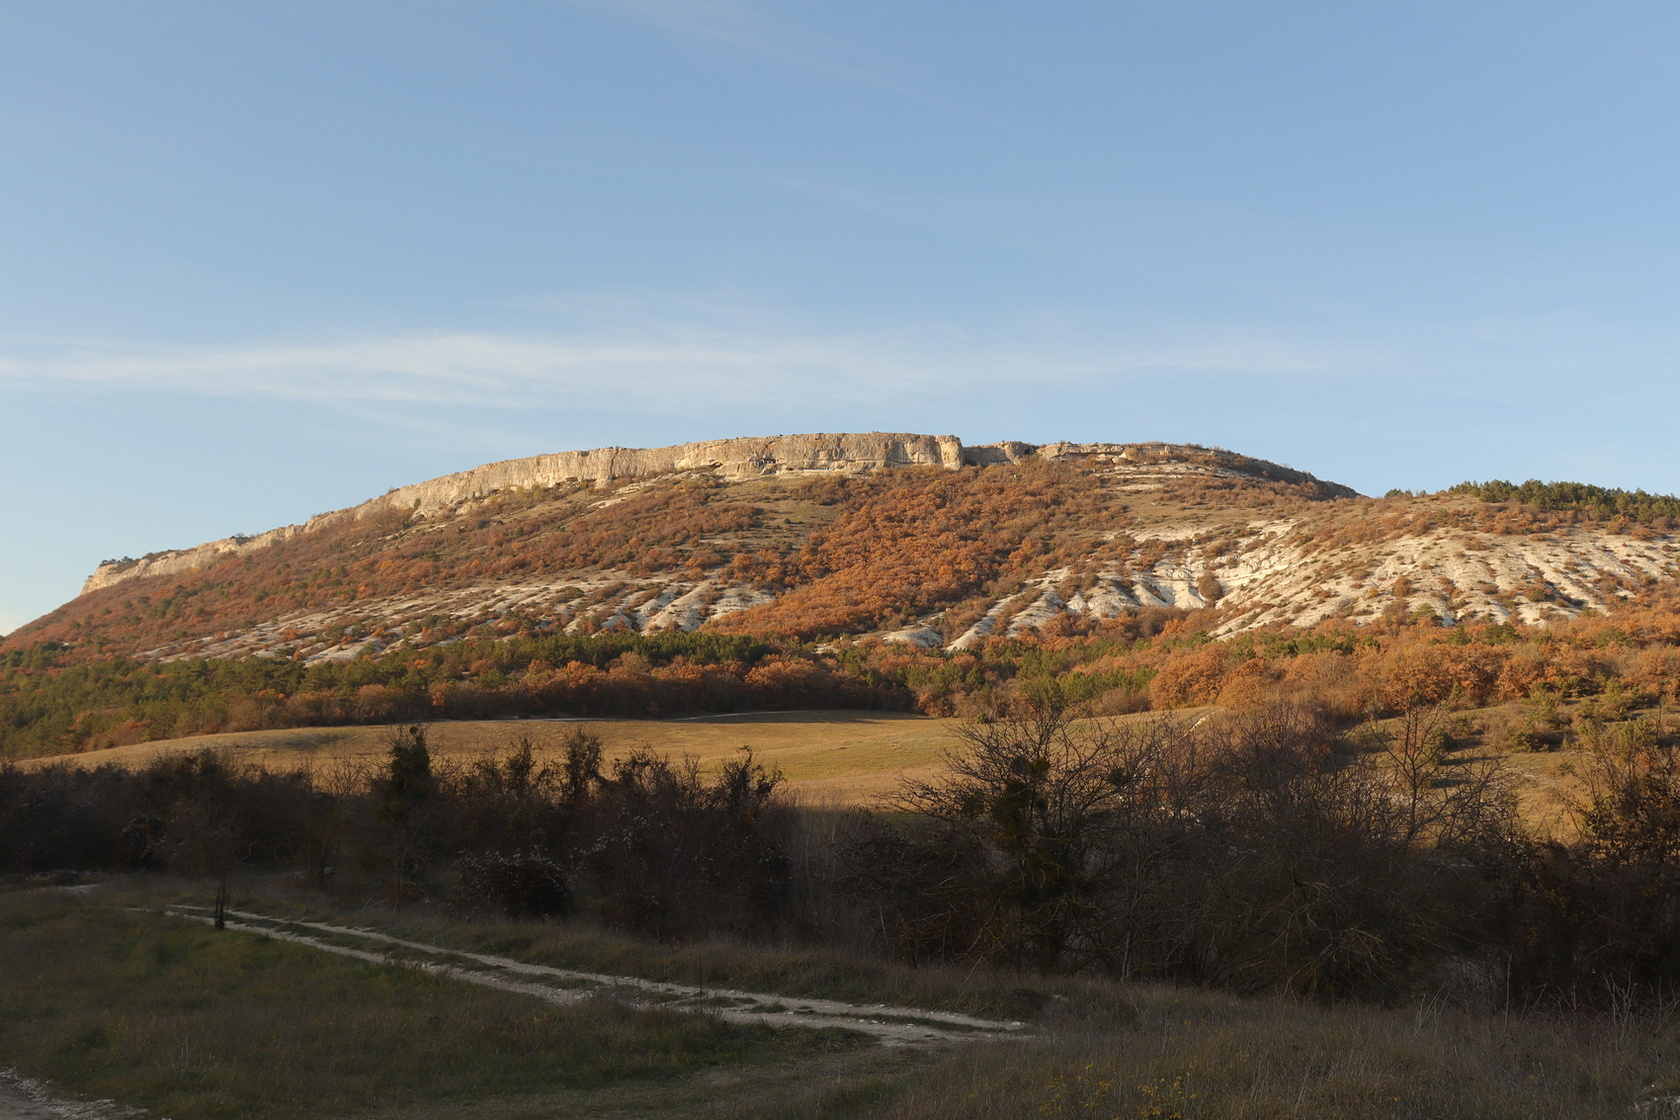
889,1025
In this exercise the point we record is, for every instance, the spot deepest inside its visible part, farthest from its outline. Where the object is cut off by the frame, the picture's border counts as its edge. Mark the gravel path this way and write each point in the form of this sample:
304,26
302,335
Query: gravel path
892,1026
22,1098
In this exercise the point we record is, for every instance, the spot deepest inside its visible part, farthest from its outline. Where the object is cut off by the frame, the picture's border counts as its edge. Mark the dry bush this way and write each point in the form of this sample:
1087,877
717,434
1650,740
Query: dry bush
916,540
1190,677
1258,851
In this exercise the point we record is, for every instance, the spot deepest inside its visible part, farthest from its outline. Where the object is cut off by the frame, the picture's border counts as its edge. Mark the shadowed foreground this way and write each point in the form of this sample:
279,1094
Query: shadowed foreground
188,1023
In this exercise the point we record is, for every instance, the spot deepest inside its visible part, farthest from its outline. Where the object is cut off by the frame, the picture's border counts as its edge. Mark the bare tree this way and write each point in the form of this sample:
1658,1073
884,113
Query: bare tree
1070,815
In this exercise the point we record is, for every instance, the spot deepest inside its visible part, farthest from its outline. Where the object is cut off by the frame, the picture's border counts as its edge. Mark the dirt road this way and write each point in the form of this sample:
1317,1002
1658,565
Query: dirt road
24,1099
892,1026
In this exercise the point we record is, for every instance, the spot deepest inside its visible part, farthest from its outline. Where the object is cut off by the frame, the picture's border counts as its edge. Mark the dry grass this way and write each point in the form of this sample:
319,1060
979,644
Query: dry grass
113,1003
837,758
1195,1056
1115,1051
177,1018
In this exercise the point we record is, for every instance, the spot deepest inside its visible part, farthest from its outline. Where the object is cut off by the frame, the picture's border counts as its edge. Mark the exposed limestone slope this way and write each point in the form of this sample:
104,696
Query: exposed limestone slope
1456,574
728,459
690,536
1262,574
1256,575
725,458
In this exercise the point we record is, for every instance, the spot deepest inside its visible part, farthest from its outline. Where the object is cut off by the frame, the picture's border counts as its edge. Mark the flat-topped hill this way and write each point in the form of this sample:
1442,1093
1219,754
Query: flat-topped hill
919,539
726,459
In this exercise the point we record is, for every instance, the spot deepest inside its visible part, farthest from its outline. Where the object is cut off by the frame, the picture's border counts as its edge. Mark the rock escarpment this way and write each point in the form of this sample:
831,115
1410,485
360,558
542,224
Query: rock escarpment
729,459
732,459
777,536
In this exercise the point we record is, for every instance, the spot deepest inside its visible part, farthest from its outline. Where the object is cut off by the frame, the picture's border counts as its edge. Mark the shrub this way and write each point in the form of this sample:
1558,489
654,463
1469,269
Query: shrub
1523,737
1261,851
519,885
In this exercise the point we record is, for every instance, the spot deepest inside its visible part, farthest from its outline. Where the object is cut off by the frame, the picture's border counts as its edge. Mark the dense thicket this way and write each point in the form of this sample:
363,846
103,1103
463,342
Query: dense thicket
1265,852
643,843
1260,852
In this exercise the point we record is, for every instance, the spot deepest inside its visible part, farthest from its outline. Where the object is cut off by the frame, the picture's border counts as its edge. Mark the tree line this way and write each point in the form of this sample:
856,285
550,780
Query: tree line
55,700
1271,850
1599,502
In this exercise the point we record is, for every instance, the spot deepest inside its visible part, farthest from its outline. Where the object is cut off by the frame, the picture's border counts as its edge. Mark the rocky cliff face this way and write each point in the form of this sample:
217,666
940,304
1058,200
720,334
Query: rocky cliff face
688,536
724,458
732,459
729,459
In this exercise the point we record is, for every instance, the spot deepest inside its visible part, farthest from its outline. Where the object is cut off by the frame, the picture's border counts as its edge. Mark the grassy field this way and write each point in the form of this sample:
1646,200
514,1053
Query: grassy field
176,1018
109,1001
1194,1056
829,758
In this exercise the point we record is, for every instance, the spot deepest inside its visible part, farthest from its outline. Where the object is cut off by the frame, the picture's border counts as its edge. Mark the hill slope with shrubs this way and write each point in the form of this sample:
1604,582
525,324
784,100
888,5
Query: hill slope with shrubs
1017,540
1123,575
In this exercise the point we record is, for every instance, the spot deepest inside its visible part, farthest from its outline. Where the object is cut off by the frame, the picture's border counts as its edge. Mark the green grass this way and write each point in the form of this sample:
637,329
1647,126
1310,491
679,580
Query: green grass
1110,1051
809,972
172,1016
191,1023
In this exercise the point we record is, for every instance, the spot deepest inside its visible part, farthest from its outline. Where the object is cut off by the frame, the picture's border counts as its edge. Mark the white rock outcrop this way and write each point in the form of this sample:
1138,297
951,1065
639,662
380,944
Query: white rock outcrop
733,459
726,458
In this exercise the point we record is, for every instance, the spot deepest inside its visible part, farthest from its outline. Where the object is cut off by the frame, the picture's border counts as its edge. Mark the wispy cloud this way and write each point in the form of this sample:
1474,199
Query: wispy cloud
643,366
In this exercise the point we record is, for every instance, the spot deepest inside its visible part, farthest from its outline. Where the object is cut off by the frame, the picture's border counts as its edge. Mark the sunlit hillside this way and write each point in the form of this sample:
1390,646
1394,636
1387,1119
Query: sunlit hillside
913,538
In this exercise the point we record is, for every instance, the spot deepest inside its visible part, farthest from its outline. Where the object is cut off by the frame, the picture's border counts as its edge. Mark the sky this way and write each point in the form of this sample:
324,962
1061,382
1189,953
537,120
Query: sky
262,260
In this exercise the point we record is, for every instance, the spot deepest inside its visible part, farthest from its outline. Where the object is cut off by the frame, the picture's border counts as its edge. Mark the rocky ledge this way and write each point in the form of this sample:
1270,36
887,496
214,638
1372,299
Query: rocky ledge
734,459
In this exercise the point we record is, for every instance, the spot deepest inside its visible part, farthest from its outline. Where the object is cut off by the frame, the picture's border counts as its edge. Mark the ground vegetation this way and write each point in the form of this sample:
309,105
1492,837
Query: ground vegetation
1263,851
53,700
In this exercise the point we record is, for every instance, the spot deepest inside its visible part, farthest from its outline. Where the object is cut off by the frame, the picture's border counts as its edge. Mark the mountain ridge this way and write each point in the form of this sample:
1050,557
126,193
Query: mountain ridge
734,458
914,539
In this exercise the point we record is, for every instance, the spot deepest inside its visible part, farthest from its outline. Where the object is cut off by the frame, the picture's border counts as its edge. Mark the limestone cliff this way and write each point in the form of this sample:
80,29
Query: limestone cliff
726,458
731,459
981,544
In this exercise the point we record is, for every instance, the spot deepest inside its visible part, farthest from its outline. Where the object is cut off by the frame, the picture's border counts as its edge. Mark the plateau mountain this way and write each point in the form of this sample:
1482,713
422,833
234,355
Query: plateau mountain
909,538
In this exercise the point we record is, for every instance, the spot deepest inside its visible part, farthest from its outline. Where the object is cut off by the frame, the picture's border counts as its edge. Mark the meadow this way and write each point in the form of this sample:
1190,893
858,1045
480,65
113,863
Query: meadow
107,997
1204,914
832,759
835,758
111,1002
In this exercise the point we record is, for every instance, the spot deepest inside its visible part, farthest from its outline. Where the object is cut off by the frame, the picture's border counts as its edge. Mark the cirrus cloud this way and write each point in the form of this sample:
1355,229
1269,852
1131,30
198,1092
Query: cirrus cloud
653,365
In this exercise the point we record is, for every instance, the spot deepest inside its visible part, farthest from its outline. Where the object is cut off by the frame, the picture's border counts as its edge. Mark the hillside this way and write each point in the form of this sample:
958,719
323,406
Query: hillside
917,538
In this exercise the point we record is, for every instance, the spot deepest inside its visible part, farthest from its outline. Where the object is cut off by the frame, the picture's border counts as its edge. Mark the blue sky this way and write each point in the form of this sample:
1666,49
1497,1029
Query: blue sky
259,260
